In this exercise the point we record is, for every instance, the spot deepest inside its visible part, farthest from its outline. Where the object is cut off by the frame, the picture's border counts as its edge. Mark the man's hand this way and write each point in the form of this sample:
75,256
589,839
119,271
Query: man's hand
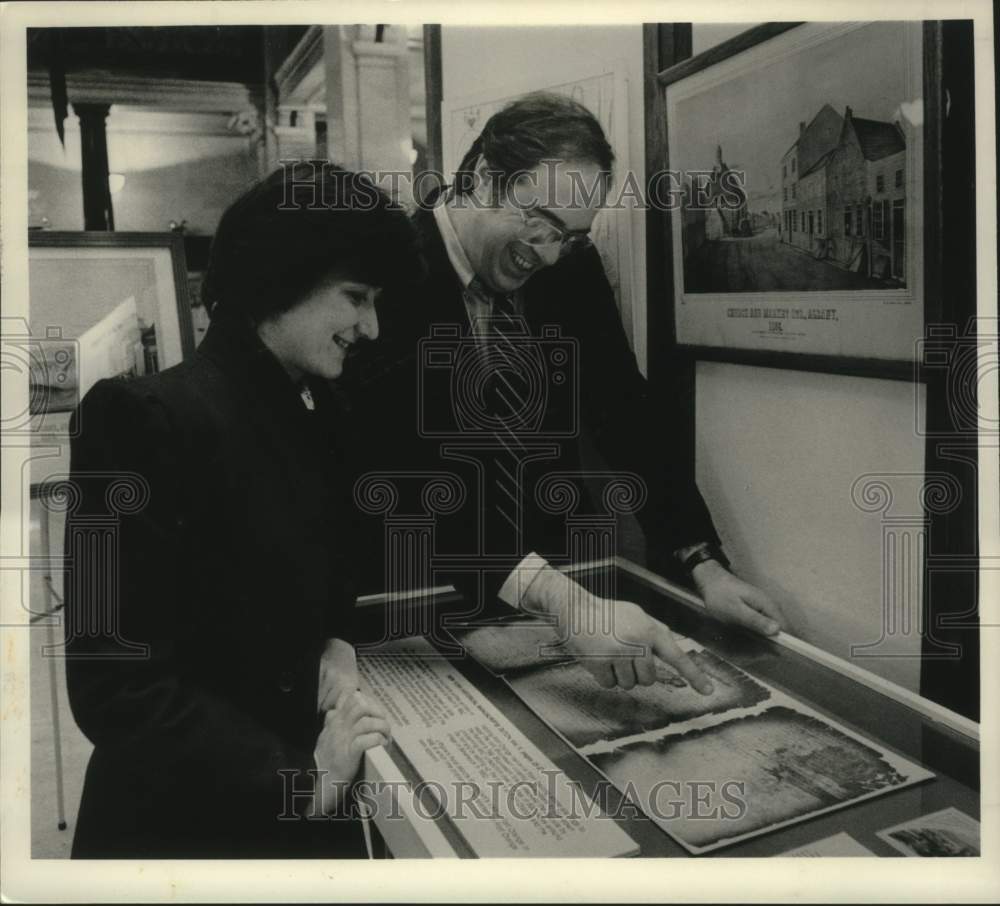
732,600
615,640
338,673
357,723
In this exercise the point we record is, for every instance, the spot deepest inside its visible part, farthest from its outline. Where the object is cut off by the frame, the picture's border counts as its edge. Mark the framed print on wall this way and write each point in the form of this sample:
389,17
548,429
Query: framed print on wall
101,305
103,293
799,152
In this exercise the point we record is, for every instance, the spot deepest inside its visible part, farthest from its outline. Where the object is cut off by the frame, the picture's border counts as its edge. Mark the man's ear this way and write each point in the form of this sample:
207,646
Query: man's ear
483,186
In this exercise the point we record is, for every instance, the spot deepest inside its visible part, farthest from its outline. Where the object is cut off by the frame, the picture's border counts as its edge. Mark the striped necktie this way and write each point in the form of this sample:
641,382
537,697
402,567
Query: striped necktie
511,368
513,397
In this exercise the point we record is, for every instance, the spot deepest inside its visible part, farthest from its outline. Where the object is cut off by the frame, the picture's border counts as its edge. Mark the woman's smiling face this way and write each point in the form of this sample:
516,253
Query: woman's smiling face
313,337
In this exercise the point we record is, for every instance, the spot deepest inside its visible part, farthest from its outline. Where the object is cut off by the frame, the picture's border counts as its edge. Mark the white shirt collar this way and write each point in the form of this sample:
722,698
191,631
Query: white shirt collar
456,254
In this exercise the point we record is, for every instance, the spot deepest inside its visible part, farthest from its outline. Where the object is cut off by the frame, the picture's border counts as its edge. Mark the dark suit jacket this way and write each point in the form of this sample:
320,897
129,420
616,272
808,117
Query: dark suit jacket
231,574
611,400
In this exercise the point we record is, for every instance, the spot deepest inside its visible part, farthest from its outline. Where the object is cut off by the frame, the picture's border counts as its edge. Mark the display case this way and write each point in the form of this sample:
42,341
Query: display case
940,748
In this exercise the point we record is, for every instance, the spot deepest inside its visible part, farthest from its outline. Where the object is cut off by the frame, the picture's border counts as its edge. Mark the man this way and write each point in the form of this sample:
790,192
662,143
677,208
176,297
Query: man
512,274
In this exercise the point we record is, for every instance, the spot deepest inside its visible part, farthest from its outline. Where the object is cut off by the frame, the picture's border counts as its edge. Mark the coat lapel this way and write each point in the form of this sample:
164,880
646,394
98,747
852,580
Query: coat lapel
442,295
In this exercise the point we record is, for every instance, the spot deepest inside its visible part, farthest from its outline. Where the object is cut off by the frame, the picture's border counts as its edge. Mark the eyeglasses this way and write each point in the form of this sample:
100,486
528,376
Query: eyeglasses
537,231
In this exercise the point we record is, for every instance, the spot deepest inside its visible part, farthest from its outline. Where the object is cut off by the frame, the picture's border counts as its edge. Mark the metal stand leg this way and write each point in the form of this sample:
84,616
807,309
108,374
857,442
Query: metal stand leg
53,676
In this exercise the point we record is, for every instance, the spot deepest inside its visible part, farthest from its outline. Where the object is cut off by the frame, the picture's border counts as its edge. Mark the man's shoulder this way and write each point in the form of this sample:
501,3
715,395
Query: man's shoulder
579,267
432,247
570,289
437,297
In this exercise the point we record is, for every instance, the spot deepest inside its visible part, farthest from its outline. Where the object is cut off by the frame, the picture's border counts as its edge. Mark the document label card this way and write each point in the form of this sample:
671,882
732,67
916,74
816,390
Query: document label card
504,796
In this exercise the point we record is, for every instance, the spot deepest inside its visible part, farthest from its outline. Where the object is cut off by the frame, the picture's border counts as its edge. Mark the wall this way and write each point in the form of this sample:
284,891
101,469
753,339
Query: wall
176,167
706,36
544,55
777,455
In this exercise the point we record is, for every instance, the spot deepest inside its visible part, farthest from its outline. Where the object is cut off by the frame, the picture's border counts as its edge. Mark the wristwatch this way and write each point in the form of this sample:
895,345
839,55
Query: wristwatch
690,557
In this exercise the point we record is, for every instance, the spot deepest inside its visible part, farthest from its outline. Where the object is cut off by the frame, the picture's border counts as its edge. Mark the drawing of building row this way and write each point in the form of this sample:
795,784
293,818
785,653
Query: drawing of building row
716,208
843,187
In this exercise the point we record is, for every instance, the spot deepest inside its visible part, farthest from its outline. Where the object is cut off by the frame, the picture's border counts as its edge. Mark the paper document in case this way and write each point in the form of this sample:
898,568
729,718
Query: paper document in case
948,832
516,644
784,765
584,712
790,762
513,645
503,794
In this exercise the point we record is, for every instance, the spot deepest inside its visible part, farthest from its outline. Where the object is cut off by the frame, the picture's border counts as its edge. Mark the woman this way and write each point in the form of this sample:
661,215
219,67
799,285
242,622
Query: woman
194,646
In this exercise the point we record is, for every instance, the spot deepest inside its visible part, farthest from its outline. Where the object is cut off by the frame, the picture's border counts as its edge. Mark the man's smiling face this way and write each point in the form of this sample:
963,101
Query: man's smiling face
502,249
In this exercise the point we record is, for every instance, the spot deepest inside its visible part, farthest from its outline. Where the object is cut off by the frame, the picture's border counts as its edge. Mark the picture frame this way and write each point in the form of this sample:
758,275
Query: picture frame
77,280
101,305
763,266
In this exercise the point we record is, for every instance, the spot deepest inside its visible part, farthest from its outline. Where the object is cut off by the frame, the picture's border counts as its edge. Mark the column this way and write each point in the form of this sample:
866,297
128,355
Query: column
368,102
97,212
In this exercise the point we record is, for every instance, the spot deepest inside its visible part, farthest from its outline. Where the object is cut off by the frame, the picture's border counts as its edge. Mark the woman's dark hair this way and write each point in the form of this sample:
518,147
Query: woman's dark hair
303,223
539,126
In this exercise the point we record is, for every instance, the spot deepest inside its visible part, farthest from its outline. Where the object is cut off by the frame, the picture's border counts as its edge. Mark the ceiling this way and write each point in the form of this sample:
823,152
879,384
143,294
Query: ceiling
204,53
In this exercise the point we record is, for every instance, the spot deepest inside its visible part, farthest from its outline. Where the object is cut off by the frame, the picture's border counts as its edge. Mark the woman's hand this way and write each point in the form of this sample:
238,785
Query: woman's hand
357,723
338,673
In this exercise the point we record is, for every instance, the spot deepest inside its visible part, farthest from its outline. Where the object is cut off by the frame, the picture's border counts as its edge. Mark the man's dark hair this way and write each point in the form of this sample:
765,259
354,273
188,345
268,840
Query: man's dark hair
537,127
302,224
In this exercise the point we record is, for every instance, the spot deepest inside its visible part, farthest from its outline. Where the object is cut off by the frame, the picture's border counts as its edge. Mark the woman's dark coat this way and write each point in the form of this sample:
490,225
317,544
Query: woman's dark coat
207,554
